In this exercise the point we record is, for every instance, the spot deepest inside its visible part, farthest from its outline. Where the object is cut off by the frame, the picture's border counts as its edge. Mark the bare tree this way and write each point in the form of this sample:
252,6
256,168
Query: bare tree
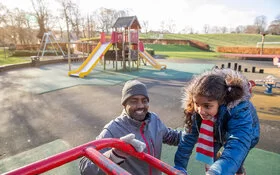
223,29
31,27
162,26
41,11
75,18
11,26
191,30
3,12
66,6
15,26
215,29
185,30
274,27
260,23
206,28
31,20
20,25
145,26
60,25
171,26
252,29
92,25
240,29
84,27
88,26
107,17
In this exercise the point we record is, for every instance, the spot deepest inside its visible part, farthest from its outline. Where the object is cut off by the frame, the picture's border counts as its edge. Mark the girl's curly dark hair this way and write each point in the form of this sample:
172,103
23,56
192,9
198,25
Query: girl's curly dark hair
224,85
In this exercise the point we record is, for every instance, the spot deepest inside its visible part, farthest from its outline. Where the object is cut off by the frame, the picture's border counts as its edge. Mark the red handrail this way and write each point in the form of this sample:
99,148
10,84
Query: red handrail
95,156
89,150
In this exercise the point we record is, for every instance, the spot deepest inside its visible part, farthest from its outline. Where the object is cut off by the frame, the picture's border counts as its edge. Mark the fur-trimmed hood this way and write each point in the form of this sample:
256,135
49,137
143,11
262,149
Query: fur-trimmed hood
232,78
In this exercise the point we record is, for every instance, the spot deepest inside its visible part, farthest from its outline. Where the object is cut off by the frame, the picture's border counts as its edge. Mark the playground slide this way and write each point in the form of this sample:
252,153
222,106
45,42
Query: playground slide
151,60
91,60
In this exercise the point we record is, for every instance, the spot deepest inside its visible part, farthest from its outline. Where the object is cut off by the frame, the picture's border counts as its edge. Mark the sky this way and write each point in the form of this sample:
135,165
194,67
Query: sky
183,13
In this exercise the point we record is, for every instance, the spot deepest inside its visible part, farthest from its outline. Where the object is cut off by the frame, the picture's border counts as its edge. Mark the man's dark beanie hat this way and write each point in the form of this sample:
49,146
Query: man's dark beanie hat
133,87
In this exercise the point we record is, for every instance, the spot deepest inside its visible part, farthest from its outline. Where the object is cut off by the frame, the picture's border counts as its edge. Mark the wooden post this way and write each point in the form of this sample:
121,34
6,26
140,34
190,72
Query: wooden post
138,60
68,39
123,50
239,68
263,35
253,69
229,64
116,48
235,66
129,47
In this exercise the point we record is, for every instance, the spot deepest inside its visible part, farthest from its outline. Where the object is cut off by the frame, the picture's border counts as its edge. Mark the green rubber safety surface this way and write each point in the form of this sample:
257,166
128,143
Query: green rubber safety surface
38,153
258,162
54,77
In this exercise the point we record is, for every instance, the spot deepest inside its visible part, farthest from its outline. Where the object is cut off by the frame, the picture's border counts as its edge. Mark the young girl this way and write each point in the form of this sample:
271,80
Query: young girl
218,114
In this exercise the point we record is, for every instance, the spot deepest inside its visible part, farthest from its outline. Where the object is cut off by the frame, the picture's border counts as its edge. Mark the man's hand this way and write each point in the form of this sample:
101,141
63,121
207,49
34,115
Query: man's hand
118,156
137,144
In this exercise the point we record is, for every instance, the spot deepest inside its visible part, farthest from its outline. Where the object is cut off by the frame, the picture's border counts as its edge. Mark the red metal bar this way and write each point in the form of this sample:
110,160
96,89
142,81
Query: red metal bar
113,168
141,46
114,37
86,150
62,158
119,37
162,166
102,38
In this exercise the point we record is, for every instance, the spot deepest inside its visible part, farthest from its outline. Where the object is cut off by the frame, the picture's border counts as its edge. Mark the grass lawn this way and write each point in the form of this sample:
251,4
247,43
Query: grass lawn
214,40
11,60
167,51
185,55
181,51
185,51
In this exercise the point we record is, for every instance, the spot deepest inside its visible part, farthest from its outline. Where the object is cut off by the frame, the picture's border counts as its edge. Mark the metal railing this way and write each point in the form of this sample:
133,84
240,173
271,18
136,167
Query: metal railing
90,150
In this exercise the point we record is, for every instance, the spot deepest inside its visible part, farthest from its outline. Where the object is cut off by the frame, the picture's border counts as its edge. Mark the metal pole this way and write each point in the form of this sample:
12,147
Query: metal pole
88,150
68,39
262,43
105,164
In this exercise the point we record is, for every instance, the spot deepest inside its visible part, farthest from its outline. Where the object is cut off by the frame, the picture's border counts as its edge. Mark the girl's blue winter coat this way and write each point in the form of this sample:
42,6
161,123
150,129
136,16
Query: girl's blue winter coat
236,129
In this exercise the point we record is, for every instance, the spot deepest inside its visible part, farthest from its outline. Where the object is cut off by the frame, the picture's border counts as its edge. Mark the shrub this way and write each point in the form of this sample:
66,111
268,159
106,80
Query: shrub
150,51
26,53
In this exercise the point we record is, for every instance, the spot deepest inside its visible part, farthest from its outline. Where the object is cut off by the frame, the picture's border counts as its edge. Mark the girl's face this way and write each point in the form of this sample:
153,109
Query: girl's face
205,108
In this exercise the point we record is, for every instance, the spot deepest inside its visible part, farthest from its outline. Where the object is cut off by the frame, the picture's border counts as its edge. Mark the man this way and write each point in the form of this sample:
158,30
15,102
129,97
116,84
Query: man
146,126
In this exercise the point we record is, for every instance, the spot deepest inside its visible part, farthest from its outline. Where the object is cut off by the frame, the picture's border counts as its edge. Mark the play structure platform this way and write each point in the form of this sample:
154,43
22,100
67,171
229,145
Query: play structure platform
100,51
124,46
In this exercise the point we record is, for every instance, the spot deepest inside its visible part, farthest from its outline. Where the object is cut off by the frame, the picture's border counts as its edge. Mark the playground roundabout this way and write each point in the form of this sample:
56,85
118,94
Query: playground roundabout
44,111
